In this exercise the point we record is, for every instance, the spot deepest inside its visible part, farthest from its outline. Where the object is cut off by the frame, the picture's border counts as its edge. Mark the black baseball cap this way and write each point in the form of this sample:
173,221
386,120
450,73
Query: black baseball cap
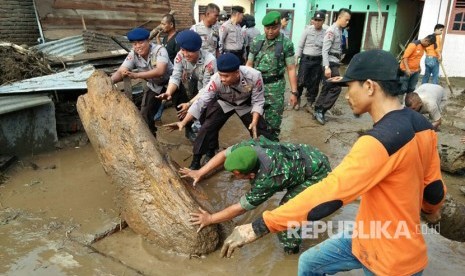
319,15
377,65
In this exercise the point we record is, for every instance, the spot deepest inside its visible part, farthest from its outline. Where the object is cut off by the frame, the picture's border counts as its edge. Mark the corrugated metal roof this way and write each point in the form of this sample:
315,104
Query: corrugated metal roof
71,79
87,42
68,46
14,103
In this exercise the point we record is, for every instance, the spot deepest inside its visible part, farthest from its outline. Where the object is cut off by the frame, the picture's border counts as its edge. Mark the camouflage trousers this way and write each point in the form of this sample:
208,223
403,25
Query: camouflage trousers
320,168
274,107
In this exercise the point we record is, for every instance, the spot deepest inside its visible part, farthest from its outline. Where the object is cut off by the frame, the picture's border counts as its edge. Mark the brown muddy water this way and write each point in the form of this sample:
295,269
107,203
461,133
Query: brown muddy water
56,210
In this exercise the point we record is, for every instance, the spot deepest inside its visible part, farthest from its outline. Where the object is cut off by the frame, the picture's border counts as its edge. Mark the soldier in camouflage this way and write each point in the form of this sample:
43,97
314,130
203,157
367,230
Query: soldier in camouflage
271,167
272,53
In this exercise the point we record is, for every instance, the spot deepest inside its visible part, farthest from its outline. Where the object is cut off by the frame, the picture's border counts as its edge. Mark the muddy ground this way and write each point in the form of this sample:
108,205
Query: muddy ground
58,215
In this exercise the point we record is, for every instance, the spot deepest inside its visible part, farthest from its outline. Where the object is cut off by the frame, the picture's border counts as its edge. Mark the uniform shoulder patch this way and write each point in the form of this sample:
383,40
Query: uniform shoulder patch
178,58
212,87
209,67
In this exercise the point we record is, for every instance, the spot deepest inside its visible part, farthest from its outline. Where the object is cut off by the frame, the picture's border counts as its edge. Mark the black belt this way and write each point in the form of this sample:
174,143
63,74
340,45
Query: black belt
272,79
234,51
308,57
335,55
248,102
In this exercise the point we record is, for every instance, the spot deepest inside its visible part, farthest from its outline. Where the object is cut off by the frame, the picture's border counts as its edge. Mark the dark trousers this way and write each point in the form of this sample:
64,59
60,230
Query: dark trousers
149,107
309,76
329,92
213,119
237,53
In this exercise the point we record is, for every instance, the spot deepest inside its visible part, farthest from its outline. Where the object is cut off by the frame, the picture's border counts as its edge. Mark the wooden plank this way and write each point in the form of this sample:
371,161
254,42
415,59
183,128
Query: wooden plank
119,6
90,56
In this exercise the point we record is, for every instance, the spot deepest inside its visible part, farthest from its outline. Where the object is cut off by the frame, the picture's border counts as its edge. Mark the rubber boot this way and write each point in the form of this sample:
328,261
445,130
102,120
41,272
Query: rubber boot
209,155
195,165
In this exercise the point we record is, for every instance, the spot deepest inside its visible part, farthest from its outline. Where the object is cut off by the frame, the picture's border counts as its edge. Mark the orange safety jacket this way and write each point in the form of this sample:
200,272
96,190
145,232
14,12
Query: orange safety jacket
395,168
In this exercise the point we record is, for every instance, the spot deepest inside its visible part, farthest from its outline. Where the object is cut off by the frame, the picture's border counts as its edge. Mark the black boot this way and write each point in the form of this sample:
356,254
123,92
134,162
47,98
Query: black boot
190,134
209,155
319,116
195,165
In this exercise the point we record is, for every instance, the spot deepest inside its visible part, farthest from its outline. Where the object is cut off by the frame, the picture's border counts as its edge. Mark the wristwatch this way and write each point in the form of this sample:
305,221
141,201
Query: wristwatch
294,93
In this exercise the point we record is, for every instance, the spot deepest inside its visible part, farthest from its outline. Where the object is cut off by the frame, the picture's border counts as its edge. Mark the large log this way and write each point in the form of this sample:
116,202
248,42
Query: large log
452,153
153,200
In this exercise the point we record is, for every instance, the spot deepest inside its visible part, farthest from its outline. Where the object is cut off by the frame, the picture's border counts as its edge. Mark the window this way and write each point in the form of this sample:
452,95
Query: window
457,19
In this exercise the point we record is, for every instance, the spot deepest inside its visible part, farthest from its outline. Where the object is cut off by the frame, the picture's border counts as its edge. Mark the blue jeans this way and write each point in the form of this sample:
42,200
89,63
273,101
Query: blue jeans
409,83
332,256
431,69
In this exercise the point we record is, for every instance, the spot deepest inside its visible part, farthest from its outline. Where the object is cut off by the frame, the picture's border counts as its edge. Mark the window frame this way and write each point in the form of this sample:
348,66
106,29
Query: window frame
456,10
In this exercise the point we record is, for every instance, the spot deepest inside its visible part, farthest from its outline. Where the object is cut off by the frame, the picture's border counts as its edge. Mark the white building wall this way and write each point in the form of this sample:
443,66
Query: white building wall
453,53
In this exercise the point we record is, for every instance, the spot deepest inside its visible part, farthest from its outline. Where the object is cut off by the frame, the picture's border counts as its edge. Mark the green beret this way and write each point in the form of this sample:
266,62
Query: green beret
243,159
271,18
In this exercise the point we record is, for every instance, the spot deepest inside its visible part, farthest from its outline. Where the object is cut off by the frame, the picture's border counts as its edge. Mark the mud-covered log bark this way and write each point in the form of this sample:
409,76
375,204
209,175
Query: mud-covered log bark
153,199
452,223
452,153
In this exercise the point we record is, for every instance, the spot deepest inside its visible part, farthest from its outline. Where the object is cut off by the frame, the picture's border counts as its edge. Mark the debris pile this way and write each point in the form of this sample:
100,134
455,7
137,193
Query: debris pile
19,63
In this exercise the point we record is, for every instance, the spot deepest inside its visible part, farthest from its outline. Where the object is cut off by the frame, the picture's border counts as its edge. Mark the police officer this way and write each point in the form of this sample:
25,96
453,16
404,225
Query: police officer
232,38
331,62
192,65
272,53
309,52
250,32
154,66
233,89
208,29
271,167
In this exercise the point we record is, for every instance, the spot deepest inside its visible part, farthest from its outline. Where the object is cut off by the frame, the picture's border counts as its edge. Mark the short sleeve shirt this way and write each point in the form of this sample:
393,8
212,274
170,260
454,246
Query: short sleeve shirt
157,54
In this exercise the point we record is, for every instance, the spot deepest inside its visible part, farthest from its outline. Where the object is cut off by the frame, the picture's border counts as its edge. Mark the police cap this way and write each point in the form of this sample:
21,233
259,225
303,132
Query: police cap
138,34
228,63
189,40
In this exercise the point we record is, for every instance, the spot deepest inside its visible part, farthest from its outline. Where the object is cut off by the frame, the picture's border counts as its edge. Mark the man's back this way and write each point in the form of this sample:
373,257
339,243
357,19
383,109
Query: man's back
433,97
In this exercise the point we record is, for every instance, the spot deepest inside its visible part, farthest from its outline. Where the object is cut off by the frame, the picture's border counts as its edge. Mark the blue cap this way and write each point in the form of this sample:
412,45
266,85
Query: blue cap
228,63
138,34
189,40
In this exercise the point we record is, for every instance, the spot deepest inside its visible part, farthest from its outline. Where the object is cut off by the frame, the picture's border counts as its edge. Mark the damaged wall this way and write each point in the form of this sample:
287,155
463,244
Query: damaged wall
18,22
61,18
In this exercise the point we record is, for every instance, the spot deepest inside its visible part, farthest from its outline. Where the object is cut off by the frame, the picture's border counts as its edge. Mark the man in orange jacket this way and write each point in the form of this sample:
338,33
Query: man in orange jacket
410,64
394,168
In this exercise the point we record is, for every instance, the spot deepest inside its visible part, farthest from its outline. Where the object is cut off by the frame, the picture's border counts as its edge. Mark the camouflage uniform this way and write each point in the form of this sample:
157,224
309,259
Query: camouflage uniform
272,68
293,167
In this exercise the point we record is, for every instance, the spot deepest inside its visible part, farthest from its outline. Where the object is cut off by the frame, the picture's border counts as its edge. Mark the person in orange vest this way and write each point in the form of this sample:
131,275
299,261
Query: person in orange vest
433,56
395,171
410,64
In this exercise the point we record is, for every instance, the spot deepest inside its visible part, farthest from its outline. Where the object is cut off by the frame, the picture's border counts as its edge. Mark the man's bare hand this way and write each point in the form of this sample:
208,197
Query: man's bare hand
164,96
203,219
194,174
183,108
253,128
241,235
293,100
328,73
174,126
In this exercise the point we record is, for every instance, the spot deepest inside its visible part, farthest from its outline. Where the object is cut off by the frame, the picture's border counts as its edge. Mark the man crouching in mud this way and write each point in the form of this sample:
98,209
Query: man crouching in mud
271,167
394,167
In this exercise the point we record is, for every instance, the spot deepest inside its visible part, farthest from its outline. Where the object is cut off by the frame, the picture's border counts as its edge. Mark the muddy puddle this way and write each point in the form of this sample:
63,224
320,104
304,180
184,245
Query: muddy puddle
58,213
